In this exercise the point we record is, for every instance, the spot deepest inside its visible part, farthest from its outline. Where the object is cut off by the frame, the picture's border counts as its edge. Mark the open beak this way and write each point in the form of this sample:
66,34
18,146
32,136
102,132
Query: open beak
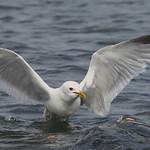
81,94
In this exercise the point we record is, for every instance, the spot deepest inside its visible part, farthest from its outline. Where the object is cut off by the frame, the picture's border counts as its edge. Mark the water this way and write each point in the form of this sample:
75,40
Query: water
57,38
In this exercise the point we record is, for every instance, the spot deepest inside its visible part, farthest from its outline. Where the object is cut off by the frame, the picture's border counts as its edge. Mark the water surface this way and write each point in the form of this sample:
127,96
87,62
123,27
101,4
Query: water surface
57,38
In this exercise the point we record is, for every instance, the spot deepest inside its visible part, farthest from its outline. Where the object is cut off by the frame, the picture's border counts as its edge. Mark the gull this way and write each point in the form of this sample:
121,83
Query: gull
110,70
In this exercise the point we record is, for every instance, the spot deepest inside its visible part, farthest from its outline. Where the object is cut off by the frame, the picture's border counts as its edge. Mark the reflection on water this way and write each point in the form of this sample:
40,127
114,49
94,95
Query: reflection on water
53,126
58,37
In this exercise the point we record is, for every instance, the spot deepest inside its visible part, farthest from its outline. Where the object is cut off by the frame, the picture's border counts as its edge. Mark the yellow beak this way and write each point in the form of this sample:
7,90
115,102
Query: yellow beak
81,94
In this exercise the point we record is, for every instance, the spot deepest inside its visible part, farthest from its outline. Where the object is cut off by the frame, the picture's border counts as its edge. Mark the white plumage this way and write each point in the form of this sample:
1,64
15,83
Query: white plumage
111,69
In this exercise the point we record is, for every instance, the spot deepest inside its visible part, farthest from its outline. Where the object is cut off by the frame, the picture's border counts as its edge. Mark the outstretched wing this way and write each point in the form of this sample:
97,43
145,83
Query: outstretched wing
18,79
111,69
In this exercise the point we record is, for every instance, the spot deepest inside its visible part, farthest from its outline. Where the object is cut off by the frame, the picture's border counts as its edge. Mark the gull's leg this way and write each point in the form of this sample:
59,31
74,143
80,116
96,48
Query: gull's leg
47,114
51,116
55,122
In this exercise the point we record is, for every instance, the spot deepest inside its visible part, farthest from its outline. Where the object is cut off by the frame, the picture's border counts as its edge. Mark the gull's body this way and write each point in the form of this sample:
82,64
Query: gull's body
111,69
59,106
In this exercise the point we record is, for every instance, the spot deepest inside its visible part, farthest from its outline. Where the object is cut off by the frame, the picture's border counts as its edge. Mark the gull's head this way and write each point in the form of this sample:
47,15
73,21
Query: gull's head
72,90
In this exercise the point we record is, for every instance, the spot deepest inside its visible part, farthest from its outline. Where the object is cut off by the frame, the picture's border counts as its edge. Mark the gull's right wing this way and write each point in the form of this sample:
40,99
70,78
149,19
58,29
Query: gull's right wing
18,79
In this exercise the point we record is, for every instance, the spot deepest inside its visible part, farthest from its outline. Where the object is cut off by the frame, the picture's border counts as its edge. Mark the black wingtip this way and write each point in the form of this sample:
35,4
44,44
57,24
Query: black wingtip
142,40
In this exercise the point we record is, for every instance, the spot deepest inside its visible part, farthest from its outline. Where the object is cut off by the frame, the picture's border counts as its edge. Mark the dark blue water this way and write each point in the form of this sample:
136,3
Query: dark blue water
57,38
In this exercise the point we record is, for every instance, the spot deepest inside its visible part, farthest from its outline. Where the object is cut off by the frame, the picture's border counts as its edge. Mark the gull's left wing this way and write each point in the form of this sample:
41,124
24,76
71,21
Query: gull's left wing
111,69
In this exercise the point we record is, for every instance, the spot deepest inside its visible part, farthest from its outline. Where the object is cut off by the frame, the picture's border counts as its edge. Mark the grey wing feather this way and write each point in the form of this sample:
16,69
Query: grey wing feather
17,78
111,69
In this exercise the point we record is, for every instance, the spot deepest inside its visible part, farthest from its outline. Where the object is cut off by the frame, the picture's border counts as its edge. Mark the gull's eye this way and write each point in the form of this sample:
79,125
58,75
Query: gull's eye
70,88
